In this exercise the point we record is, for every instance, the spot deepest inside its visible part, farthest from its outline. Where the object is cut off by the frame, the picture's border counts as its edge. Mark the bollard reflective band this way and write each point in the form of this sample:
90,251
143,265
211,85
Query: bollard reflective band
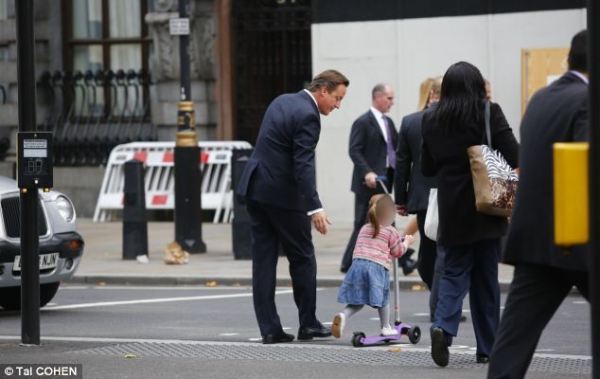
185,115
571,209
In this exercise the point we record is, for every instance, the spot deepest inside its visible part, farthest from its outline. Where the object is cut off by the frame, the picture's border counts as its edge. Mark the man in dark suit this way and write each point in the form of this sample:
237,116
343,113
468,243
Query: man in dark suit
412,188
544,273
280,189
372,148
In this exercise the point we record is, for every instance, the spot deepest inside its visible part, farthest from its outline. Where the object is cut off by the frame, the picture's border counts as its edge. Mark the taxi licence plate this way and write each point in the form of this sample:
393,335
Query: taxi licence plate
47,261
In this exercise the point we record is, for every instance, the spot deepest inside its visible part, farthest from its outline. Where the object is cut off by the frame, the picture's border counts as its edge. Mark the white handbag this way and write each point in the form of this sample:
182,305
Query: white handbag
432,219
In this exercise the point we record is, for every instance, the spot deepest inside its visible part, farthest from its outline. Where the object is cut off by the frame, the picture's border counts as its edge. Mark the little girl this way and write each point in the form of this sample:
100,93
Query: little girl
368,281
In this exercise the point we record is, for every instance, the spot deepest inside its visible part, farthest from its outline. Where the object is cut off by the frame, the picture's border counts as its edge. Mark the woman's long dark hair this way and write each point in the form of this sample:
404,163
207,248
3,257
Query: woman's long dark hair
463,93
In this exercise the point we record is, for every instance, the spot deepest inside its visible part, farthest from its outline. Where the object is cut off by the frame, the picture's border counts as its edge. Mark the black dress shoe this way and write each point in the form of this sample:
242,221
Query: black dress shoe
409,266
481,358
307,334
277,338
439,347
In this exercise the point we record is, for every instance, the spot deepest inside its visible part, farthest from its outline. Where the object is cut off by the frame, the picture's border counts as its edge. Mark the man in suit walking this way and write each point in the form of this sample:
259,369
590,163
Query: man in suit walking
372,148
280,189
411,188
544,273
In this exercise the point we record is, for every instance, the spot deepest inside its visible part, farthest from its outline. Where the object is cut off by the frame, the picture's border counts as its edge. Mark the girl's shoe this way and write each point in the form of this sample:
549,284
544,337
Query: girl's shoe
387,331
338,324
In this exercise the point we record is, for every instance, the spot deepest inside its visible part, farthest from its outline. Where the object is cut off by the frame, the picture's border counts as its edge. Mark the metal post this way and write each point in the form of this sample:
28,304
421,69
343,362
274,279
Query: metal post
188,207
594,109
30,274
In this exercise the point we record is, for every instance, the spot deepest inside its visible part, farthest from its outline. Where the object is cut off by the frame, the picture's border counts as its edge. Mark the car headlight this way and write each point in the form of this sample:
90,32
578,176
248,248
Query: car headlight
65,208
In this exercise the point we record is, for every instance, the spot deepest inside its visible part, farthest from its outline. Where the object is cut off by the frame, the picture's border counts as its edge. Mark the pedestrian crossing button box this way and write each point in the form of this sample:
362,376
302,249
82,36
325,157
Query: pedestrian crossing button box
34,160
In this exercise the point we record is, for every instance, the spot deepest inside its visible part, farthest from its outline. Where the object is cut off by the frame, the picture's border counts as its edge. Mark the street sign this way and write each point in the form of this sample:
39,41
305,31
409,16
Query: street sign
179,26
34,160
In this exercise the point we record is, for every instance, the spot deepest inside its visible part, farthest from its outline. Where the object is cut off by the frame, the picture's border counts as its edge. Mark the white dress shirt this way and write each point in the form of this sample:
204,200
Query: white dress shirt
580,76
382,125
315,211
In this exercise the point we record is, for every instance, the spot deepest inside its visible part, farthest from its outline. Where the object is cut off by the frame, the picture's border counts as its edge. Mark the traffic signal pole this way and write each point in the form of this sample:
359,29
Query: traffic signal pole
30,274
593,20
188,207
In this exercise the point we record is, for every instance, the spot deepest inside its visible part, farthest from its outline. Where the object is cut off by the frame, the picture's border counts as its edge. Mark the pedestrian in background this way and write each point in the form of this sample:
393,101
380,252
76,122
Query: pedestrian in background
469,239
279,185
544,273
412,188
372,148
368,280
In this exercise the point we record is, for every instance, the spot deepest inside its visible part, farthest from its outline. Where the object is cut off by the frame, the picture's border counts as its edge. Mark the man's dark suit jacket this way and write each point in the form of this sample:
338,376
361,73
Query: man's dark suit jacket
556,113
411,187
445,154
368,149
281,170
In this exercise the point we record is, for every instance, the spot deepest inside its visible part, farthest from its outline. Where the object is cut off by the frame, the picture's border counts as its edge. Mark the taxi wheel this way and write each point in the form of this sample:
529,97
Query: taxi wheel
10,297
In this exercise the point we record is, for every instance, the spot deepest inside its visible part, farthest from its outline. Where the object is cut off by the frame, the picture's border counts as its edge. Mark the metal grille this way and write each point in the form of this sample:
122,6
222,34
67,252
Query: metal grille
328,354
272,56
11,212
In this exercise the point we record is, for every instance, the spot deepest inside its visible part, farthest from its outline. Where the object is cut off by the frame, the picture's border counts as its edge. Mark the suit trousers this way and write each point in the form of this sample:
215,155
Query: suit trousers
361,207
427,252
270,227
535,294
470,268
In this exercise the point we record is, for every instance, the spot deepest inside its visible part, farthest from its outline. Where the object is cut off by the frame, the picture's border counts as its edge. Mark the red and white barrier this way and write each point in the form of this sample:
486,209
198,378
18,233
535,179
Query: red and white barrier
158,158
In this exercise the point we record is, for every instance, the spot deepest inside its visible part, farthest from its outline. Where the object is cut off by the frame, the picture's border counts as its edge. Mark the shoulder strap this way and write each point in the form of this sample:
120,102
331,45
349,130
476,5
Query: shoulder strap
488,129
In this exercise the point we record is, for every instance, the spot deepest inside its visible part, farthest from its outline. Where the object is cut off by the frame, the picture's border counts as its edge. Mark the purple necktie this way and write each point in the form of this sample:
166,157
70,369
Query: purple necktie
391,149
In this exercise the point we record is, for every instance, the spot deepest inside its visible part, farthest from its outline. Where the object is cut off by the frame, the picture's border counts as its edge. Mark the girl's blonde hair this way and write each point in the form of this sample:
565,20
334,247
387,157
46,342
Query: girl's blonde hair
377,206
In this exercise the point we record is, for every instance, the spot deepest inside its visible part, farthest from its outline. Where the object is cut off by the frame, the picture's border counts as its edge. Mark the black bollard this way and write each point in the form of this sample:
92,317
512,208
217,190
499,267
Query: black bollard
241,224
135,227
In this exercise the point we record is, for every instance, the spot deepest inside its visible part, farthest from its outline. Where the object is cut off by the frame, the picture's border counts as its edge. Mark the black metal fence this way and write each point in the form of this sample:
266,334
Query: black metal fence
92,112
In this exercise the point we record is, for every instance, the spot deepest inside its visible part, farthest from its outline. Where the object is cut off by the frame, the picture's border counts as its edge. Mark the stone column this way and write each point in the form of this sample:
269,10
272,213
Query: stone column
164,67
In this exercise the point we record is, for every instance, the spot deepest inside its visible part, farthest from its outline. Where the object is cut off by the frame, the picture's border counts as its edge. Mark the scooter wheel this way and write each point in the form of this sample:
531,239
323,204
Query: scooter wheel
414,335
357,339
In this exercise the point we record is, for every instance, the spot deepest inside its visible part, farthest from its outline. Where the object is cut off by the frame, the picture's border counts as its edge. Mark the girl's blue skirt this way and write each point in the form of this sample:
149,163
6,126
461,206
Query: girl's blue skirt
366,283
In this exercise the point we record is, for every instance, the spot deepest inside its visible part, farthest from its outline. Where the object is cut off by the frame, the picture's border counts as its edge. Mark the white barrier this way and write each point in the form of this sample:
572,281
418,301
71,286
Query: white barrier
158,160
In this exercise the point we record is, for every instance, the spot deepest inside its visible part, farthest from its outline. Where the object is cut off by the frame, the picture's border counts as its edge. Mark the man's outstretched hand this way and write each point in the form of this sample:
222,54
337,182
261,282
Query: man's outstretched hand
321,222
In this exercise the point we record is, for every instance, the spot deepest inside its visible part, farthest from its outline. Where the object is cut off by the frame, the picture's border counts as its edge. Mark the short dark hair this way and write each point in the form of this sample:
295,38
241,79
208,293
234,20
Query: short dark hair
379,88
578,54
329,79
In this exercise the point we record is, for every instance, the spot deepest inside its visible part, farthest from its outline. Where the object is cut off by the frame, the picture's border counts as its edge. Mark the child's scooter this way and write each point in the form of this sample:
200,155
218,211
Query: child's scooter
412,332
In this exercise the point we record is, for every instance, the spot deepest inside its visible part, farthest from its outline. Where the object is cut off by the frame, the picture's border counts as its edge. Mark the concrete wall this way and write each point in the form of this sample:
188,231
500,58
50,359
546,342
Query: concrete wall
403,53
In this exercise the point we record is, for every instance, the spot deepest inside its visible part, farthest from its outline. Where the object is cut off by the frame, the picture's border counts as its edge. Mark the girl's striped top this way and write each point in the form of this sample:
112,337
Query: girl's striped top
381,249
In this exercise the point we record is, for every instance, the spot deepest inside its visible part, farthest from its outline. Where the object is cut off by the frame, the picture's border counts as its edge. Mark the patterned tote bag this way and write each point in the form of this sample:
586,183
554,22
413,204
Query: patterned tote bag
494,181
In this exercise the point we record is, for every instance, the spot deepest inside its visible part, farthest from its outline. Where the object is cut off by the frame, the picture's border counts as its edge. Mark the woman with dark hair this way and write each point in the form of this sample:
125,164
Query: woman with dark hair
469,240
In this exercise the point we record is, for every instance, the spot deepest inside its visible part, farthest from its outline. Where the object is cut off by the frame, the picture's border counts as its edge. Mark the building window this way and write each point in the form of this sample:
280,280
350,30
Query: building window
104,35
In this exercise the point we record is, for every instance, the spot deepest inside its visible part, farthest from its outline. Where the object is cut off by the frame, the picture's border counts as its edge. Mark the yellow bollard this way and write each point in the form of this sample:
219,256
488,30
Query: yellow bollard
571,198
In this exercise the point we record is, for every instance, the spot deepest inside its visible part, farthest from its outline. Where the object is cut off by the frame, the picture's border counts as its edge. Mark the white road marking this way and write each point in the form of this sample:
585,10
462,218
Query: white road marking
228,334
580,302
421,314
153,301
407,347
327,323
175,288
286,328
